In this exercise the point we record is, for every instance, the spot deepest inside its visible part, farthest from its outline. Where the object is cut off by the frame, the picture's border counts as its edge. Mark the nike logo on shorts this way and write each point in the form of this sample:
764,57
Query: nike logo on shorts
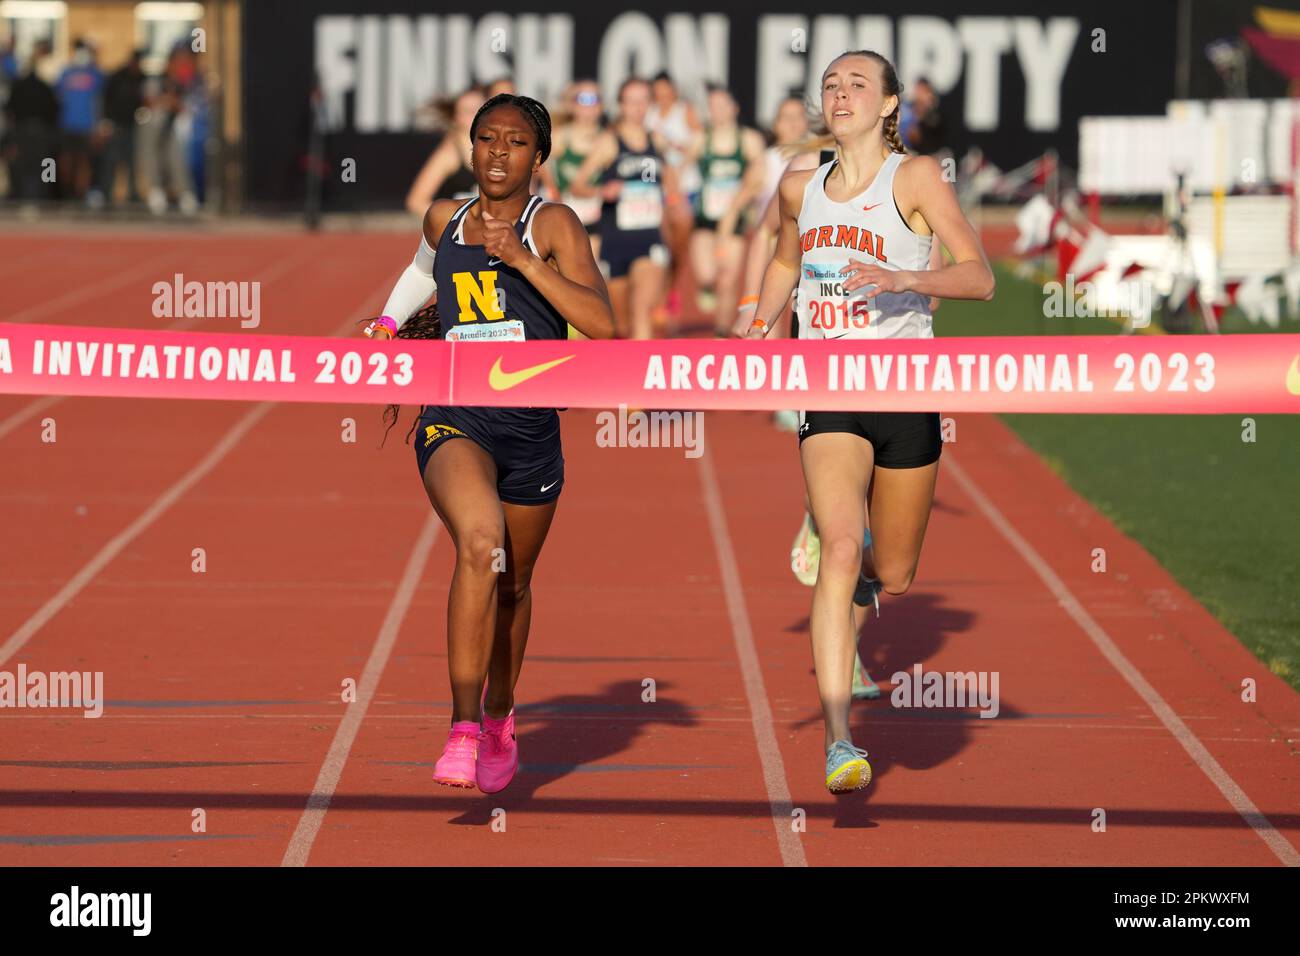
546,488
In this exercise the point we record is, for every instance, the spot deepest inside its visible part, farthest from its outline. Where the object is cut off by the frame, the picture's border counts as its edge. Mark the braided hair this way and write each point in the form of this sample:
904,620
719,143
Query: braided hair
534,112
425,324
890,86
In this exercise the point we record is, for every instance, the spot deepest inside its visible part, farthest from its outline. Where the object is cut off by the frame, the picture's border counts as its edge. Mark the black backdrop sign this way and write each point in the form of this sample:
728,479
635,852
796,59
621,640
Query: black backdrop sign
1014,77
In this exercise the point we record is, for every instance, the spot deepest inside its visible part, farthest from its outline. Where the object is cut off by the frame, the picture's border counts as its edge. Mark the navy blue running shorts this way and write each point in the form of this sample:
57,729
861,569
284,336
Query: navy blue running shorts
524,443
620,249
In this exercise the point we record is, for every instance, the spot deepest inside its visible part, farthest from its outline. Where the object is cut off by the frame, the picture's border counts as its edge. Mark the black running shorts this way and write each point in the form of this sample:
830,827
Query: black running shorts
899,439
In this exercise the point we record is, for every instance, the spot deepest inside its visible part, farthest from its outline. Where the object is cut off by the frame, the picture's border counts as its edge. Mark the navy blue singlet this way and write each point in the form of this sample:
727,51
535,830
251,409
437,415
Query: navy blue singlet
482,299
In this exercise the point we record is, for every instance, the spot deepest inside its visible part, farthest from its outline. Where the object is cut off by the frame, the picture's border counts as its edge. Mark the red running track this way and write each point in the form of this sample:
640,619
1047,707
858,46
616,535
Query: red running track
1118,691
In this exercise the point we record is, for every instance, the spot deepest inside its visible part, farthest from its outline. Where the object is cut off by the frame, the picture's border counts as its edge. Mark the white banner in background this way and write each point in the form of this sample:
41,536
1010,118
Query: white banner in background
375,70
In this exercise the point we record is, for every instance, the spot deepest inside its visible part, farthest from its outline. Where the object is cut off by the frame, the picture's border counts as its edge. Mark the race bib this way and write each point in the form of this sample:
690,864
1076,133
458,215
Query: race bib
587,207
640,206
827,312
716,197
511,330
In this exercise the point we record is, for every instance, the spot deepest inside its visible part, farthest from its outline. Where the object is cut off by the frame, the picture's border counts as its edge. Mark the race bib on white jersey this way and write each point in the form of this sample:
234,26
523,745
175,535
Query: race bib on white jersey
826,311
586,207
717,196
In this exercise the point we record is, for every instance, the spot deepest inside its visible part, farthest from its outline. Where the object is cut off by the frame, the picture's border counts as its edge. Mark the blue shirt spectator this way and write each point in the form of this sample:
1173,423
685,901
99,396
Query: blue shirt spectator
79,88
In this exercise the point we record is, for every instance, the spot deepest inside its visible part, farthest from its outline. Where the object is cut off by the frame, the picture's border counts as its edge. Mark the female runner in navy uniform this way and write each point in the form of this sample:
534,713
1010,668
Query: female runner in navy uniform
494,474
626,168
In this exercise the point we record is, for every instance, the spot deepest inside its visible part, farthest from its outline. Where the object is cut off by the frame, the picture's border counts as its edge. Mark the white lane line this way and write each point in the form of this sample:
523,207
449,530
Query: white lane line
21,263
327,781
34,408
760,710
273,273
73,587
82,293
1231,791
128,534
27,412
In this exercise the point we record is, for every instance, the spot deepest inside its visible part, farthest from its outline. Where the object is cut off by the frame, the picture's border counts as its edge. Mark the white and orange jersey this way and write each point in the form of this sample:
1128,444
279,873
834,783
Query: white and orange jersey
868,228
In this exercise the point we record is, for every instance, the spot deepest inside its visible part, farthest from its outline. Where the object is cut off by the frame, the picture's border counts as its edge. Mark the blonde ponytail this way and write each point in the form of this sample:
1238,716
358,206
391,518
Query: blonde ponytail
812,143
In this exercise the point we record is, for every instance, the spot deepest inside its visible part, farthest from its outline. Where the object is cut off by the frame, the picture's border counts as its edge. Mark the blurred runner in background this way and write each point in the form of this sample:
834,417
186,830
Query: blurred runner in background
446,174
628,162
579,122
731,170
676,122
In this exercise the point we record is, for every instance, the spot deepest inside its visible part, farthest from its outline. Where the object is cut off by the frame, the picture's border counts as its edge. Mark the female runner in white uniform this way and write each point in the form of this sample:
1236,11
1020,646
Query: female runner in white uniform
855,238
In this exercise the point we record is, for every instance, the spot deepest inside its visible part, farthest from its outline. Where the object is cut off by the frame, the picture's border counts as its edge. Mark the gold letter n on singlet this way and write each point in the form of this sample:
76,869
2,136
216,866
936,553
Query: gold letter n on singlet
482,292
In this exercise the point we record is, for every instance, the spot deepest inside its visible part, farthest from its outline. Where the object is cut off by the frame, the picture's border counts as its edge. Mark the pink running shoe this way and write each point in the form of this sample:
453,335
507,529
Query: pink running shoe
455,768
499,758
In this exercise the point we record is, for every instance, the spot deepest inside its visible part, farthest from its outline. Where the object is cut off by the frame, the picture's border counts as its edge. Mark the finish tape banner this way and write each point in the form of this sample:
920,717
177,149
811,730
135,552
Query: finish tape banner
1192,374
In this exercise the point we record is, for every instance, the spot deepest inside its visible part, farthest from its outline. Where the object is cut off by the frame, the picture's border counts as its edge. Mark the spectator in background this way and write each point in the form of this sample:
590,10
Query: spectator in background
79,89
922,125
123,98
8,64
196,127
8,73
32,111
163,139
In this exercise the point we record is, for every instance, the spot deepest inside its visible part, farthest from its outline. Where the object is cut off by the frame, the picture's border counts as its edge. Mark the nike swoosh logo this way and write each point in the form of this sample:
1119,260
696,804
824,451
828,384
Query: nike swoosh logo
871,207
1293,376
501,380
546,488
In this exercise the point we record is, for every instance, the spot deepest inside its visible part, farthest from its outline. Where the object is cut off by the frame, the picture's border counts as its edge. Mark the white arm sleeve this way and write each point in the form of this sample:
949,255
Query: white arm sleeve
414,286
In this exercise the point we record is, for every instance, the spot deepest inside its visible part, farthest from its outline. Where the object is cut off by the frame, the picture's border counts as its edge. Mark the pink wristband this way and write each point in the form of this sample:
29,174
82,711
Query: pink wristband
383,322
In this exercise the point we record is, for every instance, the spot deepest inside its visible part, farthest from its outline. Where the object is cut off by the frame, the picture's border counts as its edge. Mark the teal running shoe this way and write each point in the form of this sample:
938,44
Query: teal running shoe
846,768
864,688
